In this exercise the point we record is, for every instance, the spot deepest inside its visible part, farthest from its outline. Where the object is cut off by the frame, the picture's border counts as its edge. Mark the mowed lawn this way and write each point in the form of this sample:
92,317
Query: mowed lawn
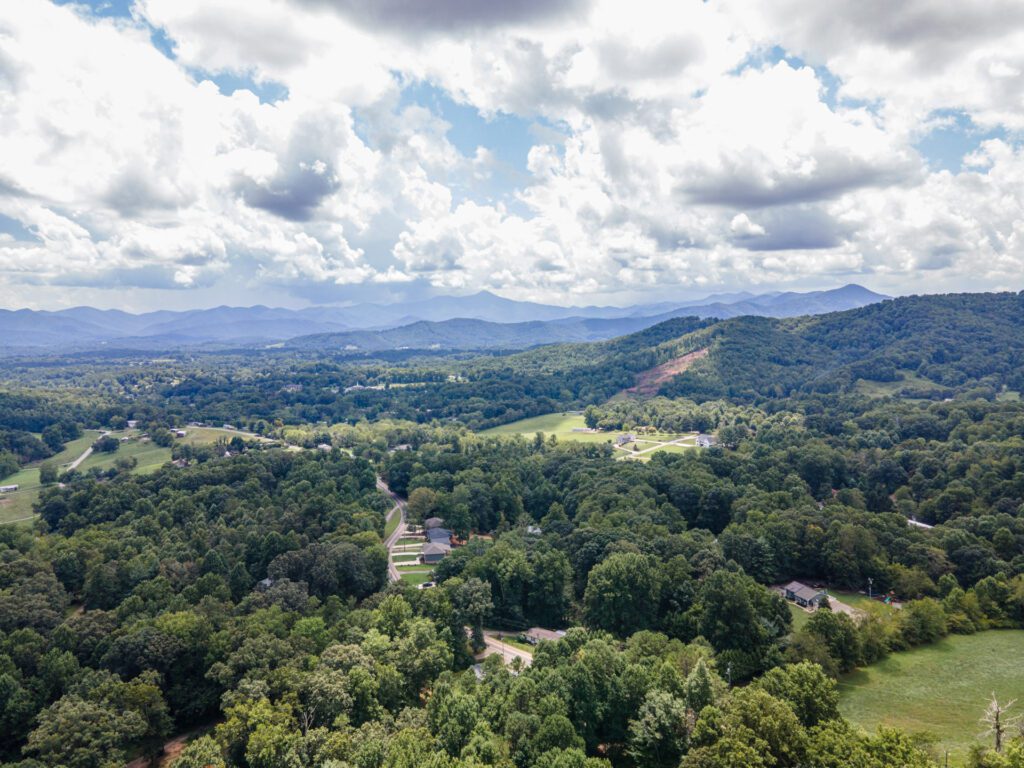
17,506
391,523
150,457
941,689
417,577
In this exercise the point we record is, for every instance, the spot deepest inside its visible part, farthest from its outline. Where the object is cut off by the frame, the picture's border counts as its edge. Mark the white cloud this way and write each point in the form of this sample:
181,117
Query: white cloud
682,154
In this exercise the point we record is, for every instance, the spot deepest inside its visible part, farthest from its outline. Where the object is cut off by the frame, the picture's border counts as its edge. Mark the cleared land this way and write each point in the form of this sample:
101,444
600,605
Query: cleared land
559,424
17,507
649,382
910,380
417,577
150,456
562,426
941,689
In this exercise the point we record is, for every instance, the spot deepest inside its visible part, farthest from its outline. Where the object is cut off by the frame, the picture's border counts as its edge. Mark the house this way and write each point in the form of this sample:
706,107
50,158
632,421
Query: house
132,423
8,488
180,432
433,522
226,426
914,522
802,595
535,634
706,441
626,438
533,530
434,552
264,584
324,447
401,447
439,536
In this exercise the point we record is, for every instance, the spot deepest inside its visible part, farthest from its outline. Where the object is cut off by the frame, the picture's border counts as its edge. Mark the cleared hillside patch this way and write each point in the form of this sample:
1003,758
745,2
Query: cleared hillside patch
649,382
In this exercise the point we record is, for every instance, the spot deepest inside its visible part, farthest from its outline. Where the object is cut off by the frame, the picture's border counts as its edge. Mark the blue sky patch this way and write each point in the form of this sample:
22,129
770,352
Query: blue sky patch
946,145
268,92
17,230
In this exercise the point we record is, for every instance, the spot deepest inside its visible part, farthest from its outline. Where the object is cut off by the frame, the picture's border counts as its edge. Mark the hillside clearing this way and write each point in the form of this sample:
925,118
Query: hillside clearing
649,382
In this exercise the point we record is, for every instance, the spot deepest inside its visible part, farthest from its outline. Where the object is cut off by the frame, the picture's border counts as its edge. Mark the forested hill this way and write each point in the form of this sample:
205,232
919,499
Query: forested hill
919,344
927,346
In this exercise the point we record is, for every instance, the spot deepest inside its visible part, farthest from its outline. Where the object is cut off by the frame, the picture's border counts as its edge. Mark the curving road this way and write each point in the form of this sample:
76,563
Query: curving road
399,532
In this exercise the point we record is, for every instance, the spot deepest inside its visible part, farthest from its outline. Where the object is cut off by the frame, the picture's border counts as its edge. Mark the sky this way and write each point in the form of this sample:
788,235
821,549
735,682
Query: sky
191,153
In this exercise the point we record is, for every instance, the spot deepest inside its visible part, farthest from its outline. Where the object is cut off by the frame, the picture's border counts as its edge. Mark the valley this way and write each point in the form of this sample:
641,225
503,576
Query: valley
371,539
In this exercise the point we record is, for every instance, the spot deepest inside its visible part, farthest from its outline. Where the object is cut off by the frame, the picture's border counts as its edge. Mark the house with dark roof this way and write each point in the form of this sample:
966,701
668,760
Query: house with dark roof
803,595
435,552
439,536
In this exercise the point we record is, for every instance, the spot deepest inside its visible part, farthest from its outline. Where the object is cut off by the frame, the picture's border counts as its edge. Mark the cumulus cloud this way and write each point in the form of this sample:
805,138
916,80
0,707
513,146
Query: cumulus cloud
674,147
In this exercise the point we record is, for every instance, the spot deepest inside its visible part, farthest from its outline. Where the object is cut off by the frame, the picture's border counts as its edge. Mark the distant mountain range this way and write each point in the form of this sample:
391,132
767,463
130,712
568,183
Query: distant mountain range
480,321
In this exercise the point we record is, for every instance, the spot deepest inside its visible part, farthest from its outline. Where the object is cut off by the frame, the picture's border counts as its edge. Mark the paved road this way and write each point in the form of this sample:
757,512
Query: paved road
390,541
508,652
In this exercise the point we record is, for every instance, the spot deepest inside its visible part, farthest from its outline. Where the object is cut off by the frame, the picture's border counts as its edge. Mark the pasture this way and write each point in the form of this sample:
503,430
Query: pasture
17,506
559,424
941,689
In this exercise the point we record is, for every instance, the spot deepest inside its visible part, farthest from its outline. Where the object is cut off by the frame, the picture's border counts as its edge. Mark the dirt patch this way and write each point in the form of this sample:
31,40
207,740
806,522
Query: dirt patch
649,382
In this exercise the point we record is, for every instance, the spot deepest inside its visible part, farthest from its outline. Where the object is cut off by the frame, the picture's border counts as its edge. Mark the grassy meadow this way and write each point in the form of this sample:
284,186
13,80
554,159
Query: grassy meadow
17,507
940,689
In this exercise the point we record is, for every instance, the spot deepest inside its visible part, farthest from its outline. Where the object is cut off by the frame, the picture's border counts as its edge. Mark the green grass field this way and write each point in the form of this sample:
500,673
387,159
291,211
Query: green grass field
399,558
392,523
417,577
559,424
941,689
859,601
150,457
892,388
18,506
800,616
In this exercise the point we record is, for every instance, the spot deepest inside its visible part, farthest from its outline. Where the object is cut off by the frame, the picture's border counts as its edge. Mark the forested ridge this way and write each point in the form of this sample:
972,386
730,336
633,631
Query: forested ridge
241,595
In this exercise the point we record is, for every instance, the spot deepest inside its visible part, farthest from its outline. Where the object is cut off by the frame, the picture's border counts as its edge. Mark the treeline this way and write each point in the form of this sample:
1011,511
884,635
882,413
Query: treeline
34,427
148,582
